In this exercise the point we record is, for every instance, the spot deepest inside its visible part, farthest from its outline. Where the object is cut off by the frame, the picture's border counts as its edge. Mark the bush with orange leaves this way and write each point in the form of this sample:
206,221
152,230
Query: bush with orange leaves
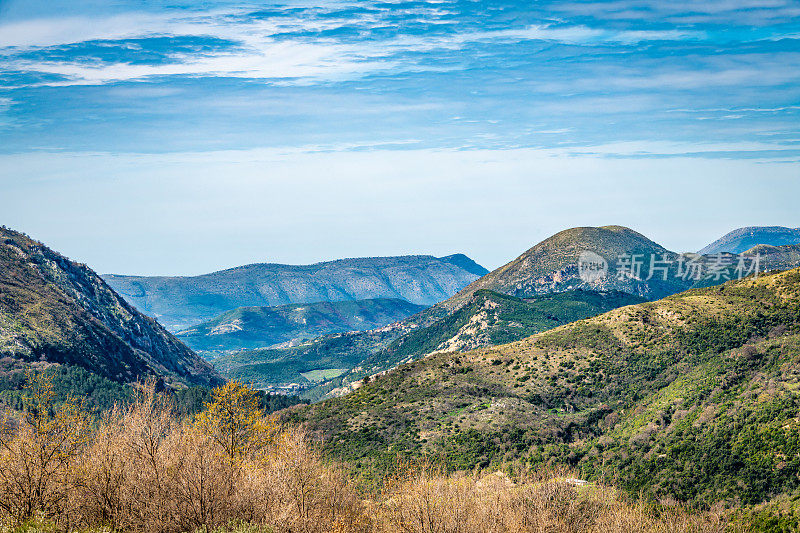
141,468
39,453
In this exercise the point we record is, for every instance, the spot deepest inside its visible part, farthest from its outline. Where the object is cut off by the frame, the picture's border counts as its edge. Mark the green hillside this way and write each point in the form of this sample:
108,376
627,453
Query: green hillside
260,327
328,357
491,318
538,276
692,397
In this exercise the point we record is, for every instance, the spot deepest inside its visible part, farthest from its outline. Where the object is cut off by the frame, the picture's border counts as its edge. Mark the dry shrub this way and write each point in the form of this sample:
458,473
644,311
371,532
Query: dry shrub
39,454
141,468
145,470
542,503
125,482
313,496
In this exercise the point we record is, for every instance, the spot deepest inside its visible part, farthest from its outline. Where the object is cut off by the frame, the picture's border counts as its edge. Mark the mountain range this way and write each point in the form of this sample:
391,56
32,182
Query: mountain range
182,302
692,397
678,387
343,359
57,311
261,327
743,239
548,268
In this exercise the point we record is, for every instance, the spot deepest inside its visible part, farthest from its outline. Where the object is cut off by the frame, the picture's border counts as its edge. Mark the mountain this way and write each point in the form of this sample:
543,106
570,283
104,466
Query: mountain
489,319
553,266
742,239
549,268
692,398
261,327
53,310
777,257
182,302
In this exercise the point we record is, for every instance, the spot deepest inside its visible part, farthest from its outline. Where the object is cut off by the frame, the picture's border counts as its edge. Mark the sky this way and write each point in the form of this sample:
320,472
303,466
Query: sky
178,137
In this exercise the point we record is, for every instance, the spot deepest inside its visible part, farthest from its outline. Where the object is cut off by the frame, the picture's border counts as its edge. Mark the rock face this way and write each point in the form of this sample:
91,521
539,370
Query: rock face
743,239
53,310
182,302
261,327
553,266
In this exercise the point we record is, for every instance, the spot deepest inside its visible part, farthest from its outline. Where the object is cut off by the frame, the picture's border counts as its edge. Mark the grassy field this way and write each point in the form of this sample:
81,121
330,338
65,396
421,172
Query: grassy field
324,374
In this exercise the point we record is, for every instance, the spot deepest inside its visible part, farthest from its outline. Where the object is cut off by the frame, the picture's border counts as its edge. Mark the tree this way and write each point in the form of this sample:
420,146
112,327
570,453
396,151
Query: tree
235,421
40,450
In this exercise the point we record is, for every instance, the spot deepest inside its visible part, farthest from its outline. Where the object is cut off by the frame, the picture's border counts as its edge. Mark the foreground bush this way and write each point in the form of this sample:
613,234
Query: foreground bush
427,503
143,468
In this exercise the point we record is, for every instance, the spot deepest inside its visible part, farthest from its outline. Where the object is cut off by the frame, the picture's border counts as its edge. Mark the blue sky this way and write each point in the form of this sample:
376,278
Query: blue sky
181,137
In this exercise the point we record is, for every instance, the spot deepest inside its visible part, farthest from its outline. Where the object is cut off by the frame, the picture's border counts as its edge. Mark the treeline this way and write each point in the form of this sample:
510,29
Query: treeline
143,466
100,394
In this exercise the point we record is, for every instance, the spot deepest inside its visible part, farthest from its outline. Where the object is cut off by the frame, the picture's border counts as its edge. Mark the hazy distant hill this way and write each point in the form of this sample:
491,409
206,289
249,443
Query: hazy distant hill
742,239
260,327
692,397
182,302
53,310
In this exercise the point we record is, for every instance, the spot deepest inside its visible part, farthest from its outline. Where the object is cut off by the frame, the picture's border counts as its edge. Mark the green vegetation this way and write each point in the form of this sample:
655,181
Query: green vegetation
693,397
491,318
99,395
323,374
274,367
539,290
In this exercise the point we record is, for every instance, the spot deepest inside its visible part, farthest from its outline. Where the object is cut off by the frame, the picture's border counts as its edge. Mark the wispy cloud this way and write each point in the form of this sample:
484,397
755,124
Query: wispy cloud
266,47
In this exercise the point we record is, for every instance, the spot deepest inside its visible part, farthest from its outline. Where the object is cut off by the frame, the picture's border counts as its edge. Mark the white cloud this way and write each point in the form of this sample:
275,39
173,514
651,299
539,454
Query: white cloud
749,12
259,54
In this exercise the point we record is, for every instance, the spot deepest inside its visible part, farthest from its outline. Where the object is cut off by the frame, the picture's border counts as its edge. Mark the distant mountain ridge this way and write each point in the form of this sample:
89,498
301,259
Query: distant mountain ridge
182,302
742,239
53,310
261,327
